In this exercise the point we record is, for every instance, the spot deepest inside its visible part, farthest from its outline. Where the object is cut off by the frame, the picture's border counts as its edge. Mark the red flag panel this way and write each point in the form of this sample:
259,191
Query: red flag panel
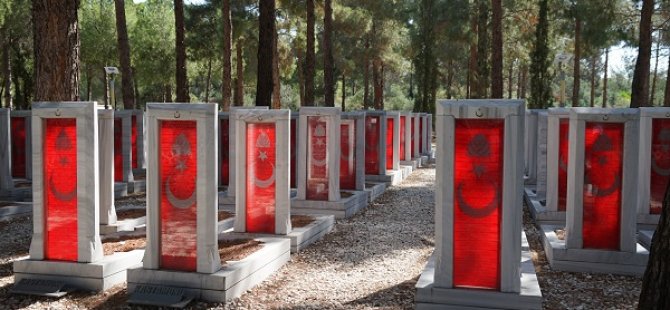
660,163
178,176
603,170
412,135
260,179
389,143
118,150
421,120
347,158
294,152
563,146
133,141
225,151
317,159
478,167
372,136
402,137
60,199
18,129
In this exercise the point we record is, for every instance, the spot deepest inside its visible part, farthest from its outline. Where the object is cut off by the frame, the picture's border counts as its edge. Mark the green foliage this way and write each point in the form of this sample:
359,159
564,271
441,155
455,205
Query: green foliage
540,89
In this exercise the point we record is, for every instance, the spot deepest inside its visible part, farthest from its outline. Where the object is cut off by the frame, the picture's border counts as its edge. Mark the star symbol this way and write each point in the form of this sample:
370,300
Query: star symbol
319,142
181,165
479,170
263,155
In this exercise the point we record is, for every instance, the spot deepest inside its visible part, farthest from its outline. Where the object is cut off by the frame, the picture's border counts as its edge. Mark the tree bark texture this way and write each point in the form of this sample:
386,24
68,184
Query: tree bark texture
208,82
510,80
124,55
328,61
310,55
276,83
7,69
472,64
180,47
576,68
226,78
640,87
344,93
266,34
483,70
654,77
56,47
239,80
378,83
656,280
497,50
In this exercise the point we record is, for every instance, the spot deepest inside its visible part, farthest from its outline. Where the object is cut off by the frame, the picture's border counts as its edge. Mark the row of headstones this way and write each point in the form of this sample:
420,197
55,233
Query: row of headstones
71,183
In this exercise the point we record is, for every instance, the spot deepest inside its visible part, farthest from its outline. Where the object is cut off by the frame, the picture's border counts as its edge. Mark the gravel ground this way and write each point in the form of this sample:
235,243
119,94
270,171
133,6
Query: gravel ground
372,260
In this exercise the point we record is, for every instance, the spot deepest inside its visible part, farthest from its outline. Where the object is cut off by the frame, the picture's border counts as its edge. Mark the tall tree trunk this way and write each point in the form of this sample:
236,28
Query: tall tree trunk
276,83
656,280
593,80
266,34
180,47
227,74
208,82
56,47
450,78
510,80
524,82
106,98
239,79
518,81
473,89
310,55
328,61
366,75
344,92
653,80
378,83
124,55
483,70
576,74
7,68
300,55
640,87
136,91
607,58
497,50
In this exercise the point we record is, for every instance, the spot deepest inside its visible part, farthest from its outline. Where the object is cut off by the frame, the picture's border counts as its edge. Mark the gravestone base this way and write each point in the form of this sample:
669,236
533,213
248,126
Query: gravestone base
15,209
589,260
414,164
120,189
430,297
425,160
538,210
225,225
392,177
374,190
527,180
406,171
231,281
22,191
644,236
137,186
344,208
123,225
300,237
98,276
226,203
648,221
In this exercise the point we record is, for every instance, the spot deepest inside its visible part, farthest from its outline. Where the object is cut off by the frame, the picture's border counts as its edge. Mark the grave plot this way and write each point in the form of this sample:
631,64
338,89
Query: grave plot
530,149
481,257
227,156
7,190
109,222
319,167
129,152
184,257
381,163
415,133
263,204
20,156
352,155
406,141
65,251
600,230
424,139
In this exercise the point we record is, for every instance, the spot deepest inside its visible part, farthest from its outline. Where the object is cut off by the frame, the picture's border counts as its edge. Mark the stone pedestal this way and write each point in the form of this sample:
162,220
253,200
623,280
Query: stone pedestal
129,149
407,158
530,147
478,211
536,194
66,245
6,180
600,235
352,162
654,165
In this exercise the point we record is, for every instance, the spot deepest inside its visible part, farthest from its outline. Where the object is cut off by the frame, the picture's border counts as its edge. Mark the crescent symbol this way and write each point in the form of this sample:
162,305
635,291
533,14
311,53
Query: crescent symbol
62,196
476,212
599,192
267,182
660,171
176,202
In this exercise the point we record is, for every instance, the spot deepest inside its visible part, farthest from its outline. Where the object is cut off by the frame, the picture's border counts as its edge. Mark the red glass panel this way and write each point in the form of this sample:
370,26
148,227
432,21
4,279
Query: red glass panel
421,120
133,141
372,136
118,150
660,163
178,174
402,138
347,158
294,151
225,152
603,166
317,159
60,183
563,145
412,136
389,143
261,185
478,187
18,129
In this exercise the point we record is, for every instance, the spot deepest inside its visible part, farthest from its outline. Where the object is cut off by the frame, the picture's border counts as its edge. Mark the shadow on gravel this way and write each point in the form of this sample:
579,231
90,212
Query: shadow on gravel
401,295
